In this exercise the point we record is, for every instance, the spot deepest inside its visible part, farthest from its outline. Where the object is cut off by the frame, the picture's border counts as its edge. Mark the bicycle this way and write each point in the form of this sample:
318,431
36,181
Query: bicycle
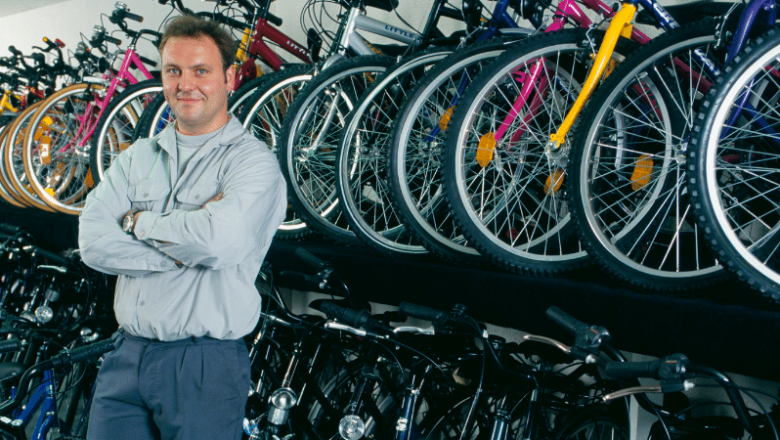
316,117
58,161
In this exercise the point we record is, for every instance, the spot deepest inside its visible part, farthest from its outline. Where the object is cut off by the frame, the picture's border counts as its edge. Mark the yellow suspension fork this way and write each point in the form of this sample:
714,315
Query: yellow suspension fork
244,46
5,103
619,26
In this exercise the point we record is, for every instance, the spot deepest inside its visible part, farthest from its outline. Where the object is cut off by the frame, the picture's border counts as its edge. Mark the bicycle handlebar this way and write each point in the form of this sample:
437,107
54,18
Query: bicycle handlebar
311,260
47,255
669,368
563,319
429,314
10,346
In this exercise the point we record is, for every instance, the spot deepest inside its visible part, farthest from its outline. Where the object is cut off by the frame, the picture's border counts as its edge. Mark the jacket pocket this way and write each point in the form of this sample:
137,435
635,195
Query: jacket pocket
193,197
147,195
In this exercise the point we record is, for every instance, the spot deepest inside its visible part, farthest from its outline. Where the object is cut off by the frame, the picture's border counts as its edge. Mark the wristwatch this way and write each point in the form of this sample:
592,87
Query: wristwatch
129,221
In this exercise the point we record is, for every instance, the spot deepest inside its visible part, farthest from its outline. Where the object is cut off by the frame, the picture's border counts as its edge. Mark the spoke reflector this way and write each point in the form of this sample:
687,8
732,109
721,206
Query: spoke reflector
487,143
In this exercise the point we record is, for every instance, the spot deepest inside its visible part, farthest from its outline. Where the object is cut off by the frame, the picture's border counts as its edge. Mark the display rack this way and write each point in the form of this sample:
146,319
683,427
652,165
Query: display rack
725,326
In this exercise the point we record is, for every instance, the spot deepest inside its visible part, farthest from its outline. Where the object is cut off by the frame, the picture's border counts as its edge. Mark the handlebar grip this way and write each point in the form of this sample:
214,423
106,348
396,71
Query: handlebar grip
224,20
10,229
135,17
347,316
111,39
274,20
147,61
628,370
563,319
10,346
91,351
14,50
310,260
50,256
421,312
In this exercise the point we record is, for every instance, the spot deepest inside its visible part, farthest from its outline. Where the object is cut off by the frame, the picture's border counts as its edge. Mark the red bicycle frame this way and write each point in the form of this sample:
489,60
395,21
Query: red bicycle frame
259,49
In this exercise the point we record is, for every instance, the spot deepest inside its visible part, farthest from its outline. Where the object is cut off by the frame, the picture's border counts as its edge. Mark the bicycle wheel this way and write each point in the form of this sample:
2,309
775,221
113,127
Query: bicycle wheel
263,114
310,134
735,167
13,159
361,167
114,132
417,136
56,148
630,202
504,186
7,192
156,116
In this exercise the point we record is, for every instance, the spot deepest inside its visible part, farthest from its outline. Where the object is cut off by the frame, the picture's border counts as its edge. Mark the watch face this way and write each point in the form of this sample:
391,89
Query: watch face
126,223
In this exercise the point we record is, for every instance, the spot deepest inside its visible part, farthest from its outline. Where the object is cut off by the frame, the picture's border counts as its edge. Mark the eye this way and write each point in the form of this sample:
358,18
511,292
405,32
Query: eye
202,71
173,71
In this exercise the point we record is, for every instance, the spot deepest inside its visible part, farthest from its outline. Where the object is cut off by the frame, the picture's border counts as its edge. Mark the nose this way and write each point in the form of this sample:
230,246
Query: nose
186,82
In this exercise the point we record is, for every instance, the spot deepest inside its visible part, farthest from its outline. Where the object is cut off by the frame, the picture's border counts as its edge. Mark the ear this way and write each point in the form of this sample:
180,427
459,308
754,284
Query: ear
230,77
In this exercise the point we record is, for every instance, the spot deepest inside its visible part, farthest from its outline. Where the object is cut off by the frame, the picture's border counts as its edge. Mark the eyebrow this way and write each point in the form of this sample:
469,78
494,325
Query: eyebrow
197,66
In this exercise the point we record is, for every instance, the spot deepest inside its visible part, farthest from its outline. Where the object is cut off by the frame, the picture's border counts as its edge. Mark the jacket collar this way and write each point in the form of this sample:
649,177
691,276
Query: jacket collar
166,139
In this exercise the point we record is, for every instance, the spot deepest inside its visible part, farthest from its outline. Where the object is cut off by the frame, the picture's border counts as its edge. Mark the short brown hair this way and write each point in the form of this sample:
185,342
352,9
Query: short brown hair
191,26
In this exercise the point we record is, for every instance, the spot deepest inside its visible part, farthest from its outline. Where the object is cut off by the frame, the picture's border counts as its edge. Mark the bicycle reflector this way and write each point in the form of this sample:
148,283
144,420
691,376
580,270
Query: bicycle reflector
643,168
554,182
487,143
444,122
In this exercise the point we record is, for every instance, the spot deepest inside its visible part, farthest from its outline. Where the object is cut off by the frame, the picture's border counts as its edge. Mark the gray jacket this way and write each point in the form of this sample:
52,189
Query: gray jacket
221,245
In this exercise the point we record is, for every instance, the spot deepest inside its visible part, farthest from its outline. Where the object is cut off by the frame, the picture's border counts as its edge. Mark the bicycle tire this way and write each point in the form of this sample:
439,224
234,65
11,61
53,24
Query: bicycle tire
309,167
734,179
414,155
114,131
629,200
522,229
361,166
13,159
263,114
7,192
154,119
60,179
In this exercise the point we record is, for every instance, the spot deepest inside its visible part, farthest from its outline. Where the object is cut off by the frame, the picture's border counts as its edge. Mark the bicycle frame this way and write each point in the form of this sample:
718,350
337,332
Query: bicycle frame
348,36
620,25
43,402
89,119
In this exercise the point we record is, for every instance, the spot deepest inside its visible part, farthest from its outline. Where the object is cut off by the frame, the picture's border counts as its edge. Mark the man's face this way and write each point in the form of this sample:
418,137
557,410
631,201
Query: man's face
194,84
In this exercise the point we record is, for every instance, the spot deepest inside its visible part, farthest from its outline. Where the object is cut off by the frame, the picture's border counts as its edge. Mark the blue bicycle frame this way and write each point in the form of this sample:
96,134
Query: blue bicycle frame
42,401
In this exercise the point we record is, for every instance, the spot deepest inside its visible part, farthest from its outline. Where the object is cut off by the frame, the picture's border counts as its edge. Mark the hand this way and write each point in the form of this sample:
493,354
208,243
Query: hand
216,198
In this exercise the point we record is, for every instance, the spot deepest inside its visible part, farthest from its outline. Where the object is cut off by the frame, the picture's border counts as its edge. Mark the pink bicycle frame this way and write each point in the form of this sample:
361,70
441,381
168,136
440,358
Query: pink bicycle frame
88,121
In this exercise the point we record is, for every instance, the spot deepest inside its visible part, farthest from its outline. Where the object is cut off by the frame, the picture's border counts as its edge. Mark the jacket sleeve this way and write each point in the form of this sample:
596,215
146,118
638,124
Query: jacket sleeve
103,244
225,232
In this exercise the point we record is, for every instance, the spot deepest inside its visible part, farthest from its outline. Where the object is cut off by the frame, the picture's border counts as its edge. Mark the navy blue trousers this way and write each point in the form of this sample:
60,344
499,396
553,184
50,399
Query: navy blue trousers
190,389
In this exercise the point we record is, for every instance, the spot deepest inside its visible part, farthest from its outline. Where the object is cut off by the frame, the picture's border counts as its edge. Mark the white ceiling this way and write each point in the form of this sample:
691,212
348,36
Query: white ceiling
11,7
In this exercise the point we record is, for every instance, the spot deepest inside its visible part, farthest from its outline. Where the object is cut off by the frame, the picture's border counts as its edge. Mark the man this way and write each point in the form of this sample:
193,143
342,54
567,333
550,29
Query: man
185,220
